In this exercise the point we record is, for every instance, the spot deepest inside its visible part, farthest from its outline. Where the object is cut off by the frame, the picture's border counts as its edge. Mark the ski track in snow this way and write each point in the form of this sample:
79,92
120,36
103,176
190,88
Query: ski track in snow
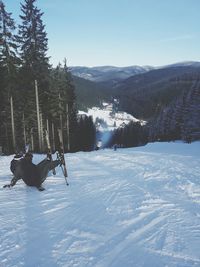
129,207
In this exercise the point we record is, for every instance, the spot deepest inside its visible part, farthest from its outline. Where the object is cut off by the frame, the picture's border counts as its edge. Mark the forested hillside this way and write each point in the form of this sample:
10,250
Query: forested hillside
89,93
181,118
146,94
169,99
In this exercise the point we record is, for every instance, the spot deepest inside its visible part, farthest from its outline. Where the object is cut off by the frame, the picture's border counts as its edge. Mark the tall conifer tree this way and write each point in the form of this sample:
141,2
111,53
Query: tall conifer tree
8,70
35,63
62,103
34,42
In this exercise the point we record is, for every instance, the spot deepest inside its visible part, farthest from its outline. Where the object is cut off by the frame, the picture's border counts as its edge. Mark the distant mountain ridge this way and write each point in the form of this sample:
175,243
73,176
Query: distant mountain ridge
108,73
183,64
112,74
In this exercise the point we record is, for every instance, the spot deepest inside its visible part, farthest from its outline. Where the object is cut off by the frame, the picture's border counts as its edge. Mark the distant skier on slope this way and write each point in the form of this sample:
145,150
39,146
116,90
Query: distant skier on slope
98,145
31,174
115,147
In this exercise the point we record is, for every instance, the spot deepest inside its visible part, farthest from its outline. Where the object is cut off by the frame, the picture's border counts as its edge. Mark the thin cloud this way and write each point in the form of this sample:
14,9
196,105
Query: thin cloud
179,38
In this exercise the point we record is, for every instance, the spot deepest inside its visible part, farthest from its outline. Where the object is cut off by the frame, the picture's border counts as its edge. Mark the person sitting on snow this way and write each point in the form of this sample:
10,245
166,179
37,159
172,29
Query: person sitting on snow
31,174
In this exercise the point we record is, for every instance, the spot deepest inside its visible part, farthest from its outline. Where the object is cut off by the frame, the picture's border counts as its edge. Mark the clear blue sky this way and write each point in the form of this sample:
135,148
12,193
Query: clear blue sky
120,32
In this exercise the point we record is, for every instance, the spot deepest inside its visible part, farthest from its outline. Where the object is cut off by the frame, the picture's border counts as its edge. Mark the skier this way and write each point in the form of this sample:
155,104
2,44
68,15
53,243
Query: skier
115,147
98,145
31,174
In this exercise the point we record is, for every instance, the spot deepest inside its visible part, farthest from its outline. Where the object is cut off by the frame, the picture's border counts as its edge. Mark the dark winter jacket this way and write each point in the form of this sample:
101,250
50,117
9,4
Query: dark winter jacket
29,172
16,170
14,167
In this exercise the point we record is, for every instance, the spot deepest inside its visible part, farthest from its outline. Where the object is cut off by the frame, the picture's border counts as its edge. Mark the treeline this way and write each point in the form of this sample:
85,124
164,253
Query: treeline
181,119
33,95
131,135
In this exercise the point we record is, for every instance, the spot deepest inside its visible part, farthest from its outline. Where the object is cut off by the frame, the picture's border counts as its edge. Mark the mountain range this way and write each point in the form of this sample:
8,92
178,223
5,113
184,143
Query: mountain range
109,74
142,91
113,73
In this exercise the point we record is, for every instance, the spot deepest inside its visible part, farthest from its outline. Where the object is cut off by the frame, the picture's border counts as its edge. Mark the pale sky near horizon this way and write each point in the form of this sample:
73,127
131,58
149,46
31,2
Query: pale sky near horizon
119,32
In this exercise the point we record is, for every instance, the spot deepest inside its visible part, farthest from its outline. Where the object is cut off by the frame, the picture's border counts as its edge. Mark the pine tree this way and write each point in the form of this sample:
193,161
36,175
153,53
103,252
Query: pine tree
9,63
86,133
34,42
62,104
35,64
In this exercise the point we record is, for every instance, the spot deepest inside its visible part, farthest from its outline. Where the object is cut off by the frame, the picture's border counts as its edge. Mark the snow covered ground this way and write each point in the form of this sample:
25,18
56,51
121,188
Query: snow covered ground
125,208
113,121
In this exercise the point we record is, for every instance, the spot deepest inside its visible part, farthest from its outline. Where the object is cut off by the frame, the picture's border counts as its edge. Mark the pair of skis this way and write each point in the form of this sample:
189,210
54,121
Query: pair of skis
49,152
60,153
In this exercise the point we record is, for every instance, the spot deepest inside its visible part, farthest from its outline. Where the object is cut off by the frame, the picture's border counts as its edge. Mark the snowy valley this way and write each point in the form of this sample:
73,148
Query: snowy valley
130,207
107,119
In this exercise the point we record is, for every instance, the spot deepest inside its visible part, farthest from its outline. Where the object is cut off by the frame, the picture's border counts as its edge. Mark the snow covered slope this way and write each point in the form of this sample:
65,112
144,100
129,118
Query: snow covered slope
112,120
125,208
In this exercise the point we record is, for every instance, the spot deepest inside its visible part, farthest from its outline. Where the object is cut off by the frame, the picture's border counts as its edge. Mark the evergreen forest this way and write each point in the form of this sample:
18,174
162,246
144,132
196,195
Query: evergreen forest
34,96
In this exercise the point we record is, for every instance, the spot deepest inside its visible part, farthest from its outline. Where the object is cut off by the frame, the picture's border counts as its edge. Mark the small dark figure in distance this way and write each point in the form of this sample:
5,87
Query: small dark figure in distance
115,147
31,174
98,145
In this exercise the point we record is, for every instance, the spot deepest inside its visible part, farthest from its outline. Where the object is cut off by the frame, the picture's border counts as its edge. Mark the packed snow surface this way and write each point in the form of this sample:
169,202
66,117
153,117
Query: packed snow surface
125,208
